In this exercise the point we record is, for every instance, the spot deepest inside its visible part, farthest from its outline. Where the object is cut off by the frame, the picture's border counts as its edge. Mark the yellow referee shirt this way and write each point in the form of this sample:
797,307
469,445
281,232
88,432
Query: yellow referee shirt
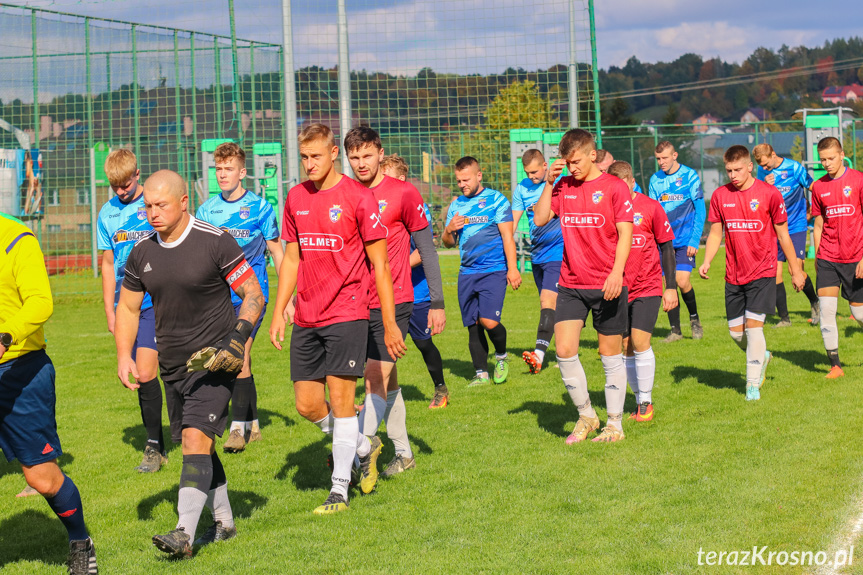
25,295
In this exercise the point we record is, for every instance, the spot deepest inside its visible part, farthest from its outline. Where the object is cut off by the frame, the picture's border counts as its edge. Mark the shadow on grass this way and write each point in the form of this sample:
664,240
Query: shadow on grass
7,467
460,367
808,359
553,417
718,378
267,416
243,503
850,330
312,471
413,393
33,536
135,436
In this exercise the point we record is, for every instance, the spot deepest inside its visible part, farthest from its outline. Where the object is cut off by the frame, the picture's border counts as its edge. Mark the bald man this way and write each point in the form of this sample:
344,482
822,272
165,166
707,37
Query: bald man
189,268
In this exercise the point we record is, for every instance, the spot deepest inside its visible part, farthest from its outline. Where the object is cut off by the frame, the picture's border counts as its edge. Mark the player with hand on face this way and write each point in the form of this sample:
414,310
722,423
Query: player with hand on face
792,180
480,222
189,268
250,219
753,216
419,329
334,236
122,222
595,213
546,252
404,219
678,189
837,204
651,257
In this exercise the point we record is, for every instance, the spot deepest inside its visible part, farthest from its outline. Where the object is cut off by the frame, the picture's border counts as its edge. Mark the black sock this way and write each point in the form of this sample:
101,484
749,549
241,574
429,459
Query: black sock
253,399
478,354
240,399
434,362
482,339
66,503
781,301
497,335
833,356
545,330
809,290
219,478
197,472
674,319
689,299
150,401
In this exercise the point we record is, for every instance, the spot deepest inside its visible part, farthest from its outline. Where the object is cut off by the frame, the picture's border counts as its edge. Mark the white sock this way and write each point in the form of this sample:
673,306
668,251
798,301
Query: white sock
345,431
631,374
645,367
755,350
373,414
500,355
829,330
615,387
221,506
539,354
739,338
857,313
575,381
396,418
364,446
256,426
239,426
326,423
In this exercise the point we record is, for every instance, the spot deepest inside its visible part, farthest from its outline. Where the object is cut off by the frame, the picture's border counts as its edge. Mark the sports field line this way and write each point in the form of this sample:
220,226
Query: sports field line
844,539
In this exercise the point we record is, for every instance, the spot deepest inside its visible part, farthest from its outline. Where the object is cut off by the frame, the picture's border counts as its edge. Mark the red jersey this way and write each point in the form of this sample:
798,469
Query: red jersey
839,203
748,217
331,226
589,212
401,208
650,227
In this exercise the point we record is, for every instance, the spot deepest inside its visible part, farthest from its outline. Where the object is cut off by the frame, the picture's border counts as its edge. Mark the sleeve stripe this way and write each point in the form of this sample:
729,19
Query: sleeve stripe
239,274
15,241
236,259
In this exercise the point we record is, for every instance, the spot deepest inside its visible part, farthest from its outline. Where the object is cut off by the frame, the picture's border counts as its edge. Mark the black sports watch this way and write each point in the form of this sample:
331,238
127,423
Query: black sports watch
6,340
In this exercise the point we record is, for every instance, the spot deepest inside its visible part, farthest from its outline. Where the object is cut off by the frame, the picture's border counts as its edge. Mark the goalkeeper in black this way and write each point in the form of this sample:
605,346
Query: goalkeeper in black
189,268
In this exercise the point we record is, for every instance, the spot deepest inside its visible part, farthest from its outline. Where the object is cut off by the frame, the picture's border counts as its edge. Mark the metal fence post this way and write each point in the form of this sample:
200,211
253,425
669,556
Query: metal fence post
344,84
573,69
289,118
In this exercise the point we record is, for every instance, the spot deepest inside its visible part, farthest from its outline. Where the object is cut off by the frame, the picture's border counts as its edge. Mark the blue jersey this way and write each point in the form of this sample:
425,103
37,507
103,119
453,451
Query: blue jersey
418,274
682,198
252,222
792,181
479,241
546,242
637,189
120,226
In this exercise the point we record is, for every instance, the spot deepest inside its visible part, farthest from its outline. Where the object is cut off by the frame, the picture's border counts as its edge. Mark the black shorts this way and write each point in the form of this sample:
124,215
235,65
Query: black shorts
758,296
832,274
418,327
643,312
376,348
174,402
335,349
609,317
204,398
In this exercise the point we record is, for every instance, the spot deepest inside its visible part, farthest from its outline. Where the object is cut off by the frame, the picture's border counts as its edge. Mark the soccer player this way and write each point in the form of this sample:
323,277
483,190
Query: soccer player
404,219
122,222
395,167
836,206
189,268
651,257
678,189
752,214
595,212
28,427
546,252
792,180
250,219
604,159
480,222
333,232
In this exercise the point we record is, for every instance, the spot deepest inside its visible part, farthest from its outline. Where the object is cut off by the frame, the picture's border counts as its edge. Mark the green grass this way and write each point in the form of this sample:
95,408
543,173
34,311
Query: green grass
495,488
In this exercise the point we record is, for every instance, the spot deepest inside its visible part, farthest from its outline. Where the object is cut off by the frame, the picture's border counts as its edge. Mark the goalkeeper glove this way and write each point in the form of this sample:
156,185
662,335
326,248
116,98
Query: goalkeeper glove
227,356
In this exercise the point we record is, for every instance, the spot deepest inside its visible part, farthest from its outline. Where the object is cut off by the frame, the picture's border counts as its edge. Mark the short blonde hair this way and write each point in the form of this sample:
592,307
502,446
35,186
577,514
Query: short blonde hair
120,167
621,169
314,132
576,139
395,163
228,150
761,151
664,145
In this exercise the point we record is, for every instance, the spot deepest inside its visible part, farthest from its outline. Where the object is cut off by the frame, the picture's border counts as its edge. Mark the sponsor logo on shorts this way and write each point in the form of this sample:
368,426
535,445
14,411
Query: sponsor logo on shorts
322,242
47,449
212,417
245,212
121,236
335,213
753,205
142,214
497,313
352,363
847,191
639,241
583,220
597,197
744,225
839,211
475,220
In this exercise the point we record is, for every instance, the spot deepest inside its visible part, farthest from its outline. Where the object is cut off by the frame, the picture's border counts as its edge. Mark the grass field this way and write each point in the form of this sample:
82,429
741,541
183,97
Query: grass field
495,490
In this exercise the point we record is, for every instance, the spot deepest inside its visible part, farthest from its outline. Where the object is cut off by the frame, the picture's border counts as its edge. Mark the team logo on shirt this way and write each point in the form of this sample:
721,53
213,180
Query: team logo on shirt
597,197
637,218
679,181
847,191
142,213
783,175
245,213
481,203
335,213
382,205
753,205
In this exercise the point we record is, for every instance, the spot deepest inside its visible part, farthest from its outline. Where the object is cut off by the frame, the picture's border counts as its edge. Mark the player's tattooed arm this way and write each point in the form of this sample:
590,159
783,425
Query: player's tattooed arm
253,300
